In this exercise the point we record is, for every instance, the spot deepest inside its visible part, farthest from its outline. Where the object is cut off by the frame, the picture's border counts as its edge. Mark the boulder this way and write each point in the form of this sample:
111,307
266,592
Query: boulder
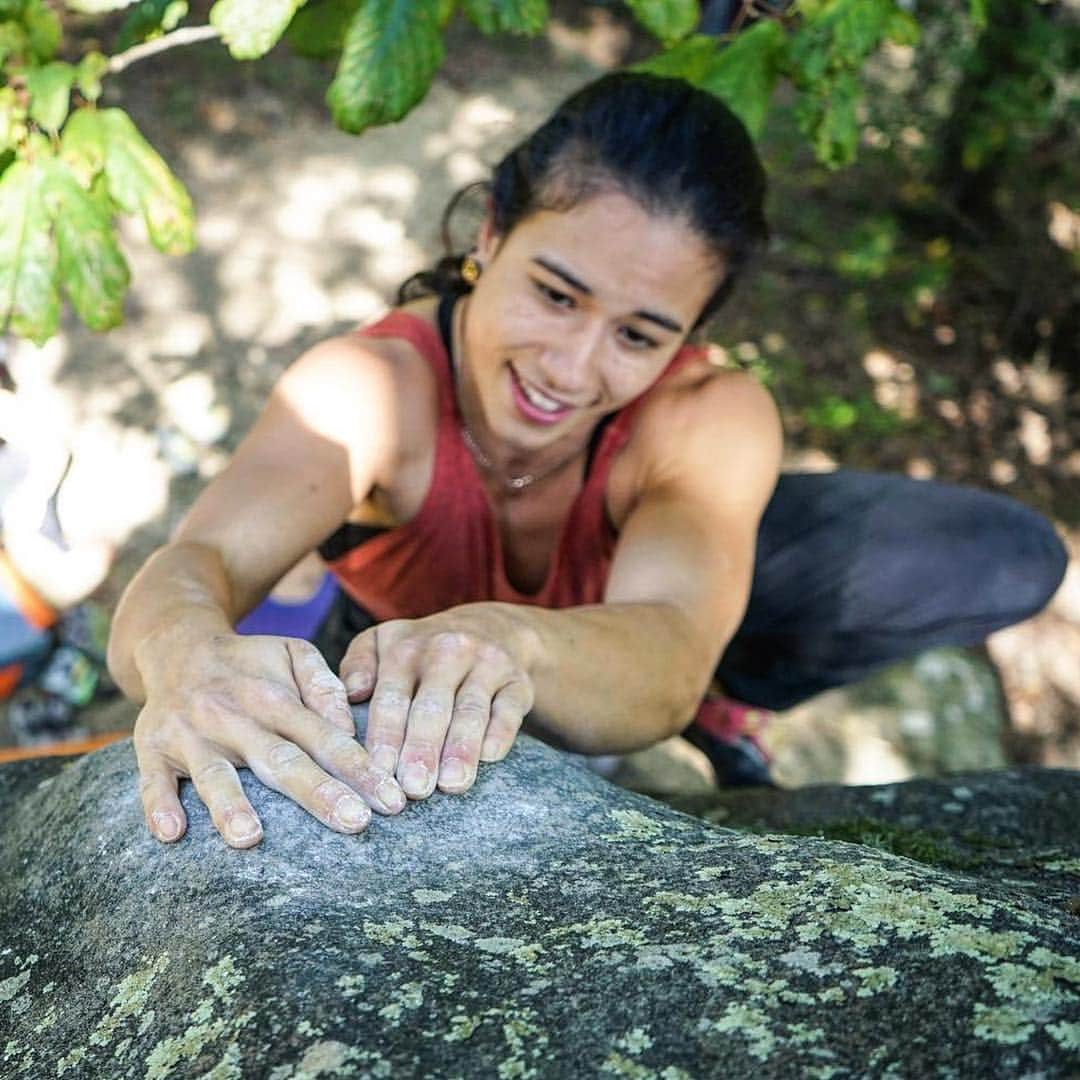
545,924
1017,827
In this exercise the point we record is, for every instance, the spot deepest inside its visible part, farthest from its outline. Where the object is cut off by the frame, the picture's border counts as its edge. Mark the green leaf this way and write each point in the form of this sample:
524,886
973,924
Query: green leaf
669,20
150,19
140,182
97,7
392,50
92,68
691,60
843,33
858,27
42,29
29,296
11,9
745,73
13,41
251,28
508,16
50,93
82,146
829,120
902,28
99,193
319,29
92,270
978,12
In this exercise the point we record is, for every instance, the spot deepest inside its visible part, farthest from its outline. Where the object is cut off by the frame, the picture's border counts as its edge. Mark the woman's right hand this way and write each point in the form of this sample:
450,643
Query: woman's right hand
269,703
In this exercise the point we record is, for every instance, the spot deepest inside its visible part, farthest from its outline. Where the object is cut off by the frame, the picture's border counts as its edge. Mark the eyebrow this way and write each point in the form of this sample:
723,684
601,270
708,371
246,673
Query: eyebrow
576,283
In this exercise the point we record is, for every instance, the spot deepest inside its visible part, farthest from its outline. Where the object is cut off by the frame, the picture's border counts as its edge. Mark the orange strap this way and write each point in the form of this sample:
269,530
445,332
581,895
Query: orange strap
59,749
39,614
10,677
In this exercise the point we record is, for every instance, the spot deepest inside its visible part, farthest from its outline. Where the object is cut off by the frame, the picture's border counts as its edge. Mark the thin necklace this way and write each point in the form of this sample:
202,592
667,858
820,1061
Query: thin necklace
512,483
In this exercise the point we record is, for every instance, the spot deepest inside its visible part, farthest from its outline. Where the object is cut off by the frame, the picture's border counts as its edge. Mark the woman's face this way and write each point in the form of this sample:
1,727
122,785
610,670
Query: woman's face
578,312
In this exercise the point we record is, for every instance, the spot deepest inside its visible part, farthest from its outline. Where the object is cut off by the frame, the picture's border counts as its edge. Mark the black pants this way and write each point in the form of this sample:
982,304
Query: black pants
857,569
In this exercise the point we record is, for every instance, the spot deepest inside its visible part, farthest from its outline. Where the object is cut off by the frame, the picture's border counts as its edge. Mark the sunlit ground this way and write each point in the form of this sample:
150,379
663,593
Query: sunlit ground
304,231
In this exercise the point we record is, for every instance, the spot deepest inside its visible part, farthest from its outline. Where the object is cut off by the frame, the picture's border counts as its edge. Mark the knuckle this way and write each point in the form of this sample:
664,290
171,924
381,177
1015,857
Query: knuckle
390,700
420,749
326,682
339,744
404,651
148,786
488,652
305,651
472,707
451,643
522,694
213,770
460,750
151,737
281,755
430,705
272,693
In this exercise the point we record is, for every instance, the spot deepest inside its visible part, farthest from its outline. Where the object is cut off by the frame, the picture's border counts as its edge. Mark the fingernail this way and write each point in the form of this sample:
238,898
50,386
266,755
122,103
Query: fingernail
166,825
242,826
351,812
385,758
491,750
390,795
453,774
416,780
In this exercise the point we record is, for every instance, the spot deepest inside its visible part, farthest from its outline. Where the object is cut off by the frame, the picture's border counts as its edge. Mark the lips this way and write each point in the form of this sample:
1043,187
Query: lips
535,405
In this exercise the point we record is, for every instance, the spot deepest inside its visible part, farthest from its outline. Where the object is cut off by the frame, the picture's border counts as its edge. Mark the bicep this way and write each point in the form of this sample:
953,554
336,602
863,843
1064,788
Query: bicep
313,454
691,537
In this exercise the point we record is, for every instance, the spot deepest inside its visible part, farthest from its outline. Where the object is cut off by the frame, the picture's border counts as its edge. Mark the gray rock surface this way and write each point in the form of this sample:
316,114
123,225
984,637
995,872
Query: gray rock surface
1019,827
546,924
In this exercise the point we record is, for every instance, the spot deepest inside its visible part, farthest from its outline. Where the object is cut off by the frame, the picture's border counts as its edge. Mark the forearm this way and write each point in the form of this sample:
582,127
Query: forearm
181,595
610,678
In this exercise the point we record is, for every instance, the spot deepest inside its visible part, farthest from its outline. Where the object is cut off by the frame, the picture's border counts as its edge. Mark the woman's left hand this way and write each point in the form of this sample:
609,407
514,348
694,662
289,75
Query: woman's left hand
446,692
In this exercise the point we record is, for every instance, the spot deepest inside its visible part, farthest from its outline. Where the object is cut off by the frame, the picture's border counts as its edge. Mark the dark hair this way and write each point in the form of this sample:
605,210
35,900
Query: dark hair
673,148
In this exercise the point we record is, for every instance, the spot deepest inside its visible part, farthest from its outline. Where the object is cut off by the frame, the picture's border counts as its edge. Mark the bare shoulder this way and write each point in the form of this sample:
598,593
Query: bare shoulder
707,417
707,434
351,372
373,395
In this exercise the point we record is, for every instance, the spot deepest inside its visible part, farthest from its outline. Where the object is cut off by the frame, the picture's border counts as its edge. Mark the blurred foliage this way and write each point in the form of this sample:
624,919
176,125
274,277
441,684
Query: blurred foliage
1002,70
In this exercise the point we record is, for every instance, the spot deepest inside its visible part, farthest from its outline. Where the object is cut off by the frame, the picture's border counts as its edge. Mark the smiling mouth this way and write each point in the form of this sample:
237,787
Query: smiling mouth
535,403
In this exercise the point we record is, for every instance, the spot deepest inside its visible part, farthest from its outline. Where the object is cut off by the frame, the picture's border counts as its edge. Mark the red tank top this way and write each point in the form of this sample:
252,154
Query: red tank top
450,553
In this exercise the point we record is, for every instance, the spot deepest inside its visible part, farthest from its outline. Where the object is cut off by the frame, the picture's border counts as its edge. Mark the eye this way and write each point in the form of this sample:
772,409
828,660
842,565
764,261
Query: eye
553,296
635,339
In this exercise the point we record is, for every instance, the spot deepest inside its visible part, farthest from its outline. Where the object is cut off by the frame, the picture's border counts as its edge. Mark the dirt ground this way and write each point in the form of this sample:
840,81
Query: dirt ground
304,231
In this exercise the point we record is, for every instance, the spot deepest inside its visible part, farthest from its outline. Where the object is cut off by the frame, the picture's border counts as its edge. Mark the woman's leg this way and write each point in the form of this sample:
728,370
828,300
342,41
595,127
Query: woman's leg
858,569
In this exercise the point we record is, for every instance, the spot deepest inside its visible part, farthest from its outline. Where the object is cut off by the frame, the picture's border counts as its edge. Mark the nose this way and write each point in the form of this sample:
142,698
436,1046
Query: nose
570,369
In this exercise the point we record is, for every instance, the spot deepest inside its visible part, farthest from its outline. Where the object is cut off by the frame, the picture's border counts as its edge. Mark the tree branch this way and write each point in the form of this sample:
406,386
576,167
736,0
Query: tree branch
187,35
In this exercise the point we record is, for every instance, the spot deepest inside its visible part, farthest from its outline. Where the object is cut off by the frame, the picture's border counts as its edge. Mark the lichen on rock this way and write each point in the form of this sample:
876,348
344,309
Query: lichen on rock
545,924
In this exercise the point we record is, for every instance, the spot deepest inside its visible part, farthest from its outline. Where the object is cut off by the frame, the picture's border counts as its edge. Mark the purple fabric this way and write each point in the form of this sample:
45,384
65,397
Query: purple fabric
291,620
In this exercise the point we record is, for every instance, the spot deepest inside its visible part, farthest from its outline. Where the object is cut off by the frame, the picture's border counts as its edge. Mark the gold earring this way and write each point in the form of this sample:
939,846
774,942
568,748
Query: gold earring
470,270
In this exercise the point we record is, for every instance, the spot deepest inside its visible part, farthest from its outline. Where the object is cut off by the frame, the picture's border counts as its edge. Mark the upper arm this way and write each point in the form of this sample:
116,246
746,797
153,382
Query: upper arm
711,458
327,434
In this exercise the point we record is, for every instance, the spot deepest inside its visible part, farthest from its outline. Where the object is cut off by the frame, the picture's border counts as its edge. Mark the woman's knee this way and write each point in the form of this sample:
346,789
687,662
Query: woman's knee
983,558
1039,560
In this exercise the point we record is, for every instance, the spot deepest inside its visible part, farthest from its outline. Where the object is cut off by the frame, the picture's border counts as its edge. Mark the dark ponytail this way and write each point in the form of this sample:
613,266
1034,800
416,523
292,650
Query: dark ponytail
677,150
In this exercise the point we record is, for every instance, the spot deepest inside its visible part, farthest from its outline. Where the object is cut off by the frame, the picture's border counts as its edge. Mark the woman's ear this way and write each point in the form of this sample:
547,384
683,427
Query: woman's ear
487,240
